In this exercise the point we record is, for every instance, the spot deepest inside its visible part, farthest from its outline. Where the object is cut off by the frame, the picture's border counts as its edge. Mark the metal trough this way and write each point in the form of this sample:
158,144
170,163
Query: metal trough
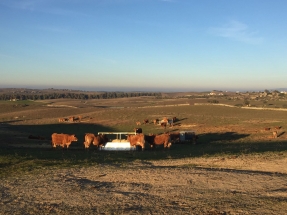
187,136
118,142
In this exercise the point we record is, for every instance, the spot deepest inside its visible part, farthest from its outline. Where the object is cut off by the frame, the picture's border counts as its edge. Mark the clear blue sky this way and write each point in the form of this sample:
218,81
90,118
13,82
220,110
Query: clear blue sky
174,45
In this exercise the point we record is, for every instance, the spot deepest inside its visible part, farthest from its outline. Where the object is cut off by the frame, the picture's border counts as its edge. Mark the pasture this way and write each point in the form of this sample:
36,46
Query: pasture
236,167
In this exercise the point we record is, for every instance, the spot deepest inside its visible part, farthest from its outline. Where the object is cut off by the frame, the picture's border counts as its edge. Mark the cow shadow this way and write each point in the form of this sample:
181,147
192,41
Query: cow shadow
39,135
179,120
280,134
14,141
220,137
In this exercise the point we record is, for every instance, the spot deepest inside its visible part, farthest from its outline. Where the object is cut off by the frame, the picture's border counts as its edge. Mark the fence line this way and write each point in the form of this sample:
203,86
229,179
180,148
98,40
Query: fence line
253,108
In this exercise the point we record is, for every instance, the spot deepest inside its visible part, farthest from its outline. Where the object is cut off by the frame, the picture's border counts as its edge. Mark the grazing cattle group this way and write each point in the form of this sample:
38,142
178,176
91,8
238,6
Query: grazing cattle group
274,131
138,139
163,123
71,119
100,140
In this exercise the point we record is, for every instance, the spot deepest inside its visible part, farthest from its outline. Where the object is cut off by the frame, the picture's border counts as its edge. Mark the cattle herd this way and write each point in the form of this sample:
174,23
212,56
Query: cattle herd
71,119
99,140
138,139
163,123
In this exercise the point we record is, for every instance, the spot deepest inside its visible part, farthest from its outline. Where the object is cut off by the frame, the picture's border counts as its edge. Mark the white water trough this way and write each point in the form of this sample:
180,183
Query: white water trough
118,142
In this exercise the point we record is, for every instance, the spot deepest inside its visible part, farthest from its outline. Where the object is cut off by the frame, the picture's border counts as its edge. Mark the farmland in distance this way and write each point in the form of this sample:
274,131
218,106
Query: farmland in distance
235,144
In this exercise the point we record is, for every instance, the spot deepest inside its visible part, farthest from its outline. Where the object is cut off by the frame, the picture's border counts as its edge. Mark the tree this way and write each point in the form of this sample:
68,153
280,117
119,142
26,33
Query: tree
246,102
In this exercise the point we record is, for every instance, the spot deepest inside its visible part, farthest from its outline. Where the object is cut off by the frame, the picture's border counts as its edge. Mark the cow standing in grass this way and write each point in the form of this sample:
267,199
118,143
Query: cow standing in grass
146,121
159,139
97,140
63,140
136,140
155,121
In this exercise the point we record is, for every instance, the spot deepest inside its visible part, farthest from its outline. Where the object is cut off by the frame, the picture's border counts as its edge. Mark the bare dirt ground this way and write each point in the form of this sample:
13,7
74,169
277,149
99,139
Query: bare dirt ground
184,186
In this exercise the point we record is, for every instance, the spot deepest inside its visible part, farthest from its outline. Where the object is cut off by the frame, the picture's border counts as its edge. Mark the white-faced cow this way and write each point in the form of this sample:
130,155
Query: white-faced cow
63,139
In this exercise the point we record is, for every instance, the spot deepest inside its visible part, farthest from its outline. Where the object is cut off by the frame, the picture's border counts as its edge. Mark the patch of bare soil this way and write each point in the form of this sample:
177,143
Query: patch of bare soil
159,187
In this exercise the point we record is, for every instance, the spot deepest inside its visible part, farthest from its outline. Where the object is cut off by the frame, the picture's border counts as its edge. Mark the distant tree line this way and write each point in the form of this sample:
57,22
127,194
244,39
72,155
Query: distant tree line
104,95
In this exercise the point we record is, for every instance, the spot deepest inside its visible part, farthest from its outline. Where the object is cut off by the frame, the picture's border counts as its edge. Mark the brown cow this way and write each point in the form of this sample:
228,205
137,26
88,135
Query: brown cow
155,121
89,138
146,121
138,123
136,140
97,140
62,120
160,139
100,140
63,139
71,119
165,119
163,124
274,134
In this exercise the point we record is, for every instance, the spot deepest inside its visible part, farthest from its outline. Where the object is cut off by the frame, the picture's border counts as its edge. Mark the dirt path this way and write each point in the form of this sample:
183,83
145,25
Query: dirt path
162,187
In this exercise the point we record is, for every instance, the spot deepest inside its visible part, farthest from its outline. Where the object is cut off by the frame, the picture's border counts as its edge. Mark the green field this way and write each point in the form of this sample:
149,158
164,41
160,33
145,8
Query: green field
223,131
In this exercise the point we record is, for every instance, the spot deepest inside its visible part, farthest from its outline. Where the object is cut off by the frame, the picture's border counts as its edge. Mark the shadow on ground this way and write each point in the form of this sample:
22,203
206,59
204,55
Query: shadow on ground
14,142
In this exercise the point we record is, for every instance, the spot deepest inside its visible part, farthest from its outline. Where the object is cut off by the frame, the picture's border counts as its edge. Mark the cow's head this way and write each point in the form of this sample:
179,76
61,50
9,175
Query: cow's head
96,140
74,138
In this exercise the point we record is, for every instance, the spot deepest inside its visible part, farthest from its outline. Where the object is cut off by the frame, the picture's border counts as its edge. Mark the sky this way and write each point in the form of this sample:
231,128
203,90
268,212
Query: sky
143,45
